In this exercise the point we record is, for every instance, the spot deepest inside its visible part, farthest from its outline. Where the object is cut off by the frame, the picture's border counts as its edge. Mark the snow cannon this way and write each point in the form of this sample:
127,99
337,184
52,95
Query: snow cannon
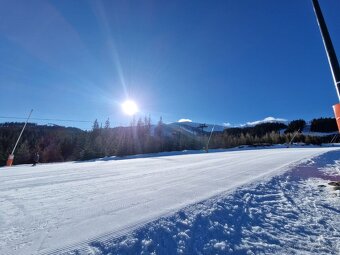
11,156
332,59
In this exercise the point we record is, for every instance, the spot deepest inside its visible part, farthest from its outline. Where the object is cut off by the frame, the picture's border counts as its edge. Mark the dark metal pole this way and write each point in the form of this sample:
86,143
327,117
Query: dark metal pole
332,59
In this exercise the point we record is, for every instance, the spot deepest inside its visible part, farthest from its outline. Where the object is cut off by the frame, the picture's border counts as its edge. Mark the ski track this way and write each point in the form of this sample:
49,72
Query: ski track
280,216
53,208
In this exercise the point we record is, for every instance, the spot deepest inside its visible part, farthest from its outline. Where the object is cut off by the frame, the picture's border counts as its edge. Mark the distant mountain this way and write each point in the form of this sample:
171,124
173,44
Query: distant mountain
194,126
266,120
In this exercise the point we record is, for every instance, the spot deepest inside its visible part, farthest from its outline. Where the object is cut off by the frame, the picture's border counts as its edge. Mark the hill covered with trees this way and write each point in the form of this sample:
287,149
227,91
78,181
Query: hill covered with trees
58,143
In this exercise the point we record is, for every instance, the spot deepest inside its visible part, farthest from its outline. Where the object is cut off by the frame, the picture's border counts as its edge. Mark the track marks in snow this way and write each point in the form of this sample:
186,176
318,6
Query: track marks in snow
281,216
71,204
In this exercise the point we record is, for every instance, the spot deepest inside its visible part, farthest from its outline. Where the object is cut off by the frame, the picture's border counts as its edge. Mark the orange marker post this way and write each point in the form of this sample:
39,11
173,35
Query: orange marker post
10,160
336,109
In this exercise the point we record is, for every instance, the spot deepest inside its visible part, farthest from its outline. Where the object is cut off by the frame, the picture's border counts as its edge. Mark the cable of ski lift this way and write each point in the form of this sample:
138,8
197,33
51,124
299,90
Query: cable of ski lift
20,118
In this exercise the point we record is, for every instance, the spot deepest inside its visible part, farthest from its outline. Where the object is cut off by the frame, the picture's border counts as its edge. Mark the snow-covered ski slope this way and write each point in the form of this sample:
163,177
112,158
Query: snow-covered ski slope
55,207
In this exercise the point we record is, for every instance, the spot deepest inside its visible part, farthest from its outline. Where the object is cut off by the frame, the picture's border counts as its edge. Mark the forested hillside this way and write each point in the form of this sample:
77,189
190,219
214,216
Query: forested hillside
58,143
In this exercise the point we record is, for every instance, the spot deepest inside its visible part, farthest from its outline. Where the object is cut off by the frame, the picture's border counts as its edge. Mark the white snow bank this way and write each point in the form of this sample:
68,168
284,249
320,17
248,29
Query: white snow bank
332,169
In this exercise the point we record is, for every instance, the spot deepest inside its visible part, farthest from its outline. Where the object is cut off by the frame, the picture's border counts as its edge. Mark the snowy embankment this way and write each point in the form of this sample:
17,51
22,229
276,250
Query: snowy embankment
91,206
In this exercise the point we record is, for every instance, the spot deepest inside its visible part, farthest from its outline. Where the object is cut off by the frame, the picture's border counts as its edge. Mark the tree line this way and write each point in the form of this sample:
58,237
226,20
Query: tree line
58,143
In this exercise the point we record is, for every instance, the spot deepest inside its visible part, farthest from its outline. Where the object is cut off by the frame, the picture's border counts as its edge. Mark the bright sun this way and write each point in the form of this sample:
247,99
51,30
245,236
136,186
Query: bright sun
129,107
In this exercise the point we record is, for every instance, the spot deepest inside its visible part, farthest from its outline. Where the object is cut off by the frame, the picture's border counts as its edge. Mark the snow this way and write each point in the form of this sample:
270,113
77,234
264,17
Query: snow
134,205
319,133
288,214
332,169
266,120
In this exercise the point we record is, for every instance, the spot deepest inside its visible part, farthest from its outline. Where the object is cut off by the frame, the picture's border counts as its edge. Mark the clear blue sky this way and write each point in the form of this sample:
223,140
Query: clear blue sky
208,61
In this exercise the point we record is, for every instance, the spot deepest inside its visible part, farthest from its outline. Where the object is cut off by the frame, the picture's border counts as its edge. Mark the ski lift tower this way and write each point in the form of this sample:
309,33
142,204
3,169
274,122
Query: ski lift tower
332,59
202,127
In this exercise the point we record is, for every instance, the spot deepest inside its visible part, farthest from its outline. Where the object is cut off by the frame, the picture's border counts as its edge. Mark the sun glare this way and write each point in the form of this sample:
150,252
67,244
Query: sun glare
129,107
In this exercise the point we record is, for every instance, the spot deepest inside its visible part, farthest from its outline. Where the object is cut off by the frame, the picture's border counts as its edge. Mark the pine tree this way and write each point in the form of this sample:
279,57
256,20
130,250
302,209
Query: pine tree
23,154
95,125
159,128
107,123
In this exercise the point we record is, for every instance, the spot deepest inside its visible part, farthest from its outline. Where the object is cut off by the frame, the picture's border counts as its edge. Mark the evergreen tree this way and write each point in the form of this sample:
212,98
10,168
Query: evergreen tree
296,125
324,125
107,123
95,125
159,129
23,154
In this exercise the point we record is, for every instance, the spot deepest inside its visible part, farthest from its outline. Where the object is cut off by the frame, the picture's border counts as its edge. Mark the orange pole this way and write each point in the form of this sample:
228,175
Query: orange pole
336,109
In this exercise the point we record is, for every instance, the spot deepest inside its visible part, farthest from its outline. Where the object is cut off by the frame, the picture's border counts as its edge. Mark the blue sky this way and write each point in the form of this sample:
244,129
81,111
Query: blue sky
209,61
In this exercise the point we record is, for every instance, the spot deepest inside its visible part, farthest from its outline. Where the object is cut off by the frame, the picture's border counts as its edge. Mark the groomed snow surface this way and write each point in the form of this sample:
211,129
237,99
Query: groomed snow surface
268,201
